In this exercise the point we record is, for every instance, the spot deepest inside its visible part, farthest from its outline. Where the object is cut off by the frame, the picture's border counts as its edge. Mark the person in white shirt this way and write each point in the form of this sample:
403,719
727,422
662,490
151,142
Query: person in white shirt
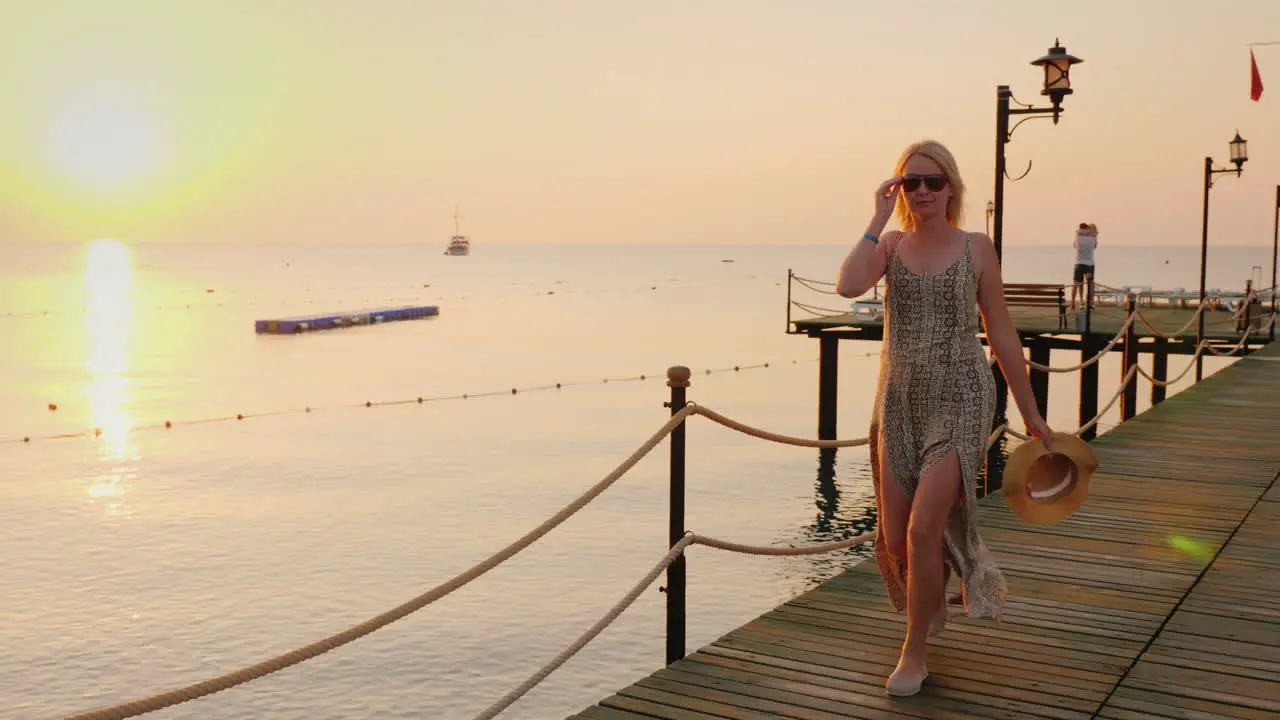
1085,243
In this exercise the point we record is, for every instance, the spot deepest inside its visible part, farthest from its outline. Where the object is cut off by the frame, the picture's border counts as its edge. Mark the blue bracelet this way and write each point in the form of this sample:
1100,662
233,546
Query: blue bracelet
868,236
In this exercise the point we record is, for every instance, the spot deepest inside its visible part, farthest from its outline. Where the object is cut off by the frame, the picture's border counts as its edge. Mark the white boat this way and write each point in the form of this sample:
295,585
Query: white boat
459,244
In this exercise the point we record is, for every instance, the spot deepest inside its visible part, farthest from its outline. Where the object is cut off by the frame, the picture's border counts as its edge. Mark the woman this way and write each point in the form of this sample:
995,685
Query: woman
935,399
1085,243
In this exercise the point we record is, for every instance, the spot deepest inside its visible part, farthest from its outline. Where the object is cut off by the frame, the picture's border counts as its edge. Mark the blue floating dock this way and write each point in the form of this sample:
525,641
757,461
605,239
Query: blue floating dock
307,323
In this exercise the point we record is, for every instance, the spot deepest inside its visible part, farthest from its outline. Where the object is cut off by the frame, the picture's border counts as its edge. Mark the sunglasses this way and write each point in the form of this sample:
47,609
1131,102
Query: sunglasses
935,183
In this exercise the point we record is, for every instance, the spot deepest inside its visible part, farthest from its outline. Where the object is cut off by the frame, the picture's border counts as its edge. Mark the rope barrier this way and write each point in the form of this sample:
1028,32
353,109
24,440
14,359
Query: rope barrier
1133,372
1239,344
814,285
1158,333
772,436
355,632
1095,358
1166,383
515,694
1124,383
420,400
819,311
676,550
1120,335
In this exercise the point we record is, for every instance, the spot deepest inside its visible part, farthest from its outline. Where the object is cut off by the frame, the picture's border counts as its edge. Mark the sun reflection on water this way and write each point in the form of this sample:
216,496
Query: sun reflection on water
108,285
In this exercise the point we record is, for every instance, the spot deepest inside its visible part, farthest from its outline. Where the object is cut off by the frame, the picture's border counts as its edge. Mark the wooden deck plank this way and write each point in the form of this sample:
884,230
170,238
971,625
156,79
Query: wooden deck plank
1159,598
1222,644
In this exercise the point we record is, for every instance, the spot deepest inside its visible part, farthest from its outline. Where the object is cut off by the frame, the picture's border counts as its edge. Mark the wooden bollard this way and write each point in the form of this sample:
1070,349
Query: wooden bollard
678,380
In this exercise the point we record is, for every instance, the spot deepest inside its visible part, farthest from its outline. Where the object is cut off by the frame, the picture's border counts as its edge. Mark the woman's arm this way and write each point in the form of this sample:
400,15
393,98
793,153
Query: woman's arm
1001,333
865,264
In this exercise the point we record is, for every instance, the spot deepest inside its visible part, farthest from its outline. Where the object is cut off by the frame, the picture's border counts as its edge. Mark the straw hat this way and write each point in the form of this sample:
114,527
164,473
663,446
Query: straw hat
1046,486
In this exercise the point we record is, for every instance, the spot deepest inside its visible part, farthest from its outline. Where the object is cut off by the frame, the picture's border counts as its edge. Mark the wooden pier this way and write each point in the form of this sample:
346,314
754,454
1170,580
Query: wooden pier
1044,324
1157,599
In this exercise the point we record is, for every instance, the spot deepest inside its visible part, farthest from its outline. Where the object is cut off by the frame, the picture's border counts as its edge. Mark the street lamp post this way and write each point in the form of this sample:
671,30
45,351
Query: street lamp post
1239,154
1057,85
1275,246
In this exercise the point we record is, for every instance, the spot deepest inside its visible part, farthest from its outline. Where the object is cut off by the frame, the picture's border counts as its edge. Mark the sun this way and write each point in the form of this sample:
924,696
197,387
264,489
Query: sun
104,139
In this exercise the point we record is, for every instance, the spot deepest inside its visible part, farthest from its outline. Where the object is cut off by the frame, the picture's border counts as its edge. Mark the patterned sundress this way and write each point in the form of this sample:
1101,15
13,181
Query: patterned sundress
935,393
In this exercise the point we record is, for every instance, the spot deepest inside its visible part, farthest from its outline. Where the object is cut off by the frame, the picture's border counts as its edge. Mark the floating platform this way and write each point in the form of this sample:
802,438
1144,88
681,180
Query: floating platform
307,323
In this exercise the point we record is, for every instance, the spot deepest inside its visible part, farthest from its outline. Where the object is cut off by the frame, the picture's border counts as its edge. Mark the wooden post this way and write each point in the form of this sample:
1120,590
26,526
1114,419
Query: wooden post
1088,306
1242,320
1129,397
1248,304
678,380
1089,346
1040,378
828,374
1159,369
789,276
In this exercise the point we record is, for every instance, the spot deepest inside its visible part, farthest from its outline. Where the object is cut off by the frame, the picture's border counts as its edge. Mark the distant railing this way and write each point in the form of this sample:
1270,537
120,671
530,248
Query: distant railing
1094,295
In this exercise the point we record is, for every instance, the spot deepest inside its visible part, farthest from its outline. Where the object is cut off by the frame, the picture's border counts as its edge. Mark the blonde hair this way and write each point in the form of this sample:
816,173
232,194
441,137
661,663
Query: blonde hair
938,153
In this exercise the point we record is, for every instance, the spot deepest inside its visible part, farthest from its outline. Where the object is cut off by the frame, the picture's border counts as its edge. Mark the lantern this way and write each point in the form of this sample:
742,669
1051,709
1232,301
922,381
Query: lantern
1239,152
1057,72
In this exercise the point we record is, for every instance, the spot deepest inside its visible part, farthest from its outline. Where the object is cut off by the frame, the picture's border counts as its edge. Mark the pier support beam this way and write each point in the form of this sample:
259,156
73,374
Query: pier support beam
1040,378
828,374
1129,397
1159,369
1089,346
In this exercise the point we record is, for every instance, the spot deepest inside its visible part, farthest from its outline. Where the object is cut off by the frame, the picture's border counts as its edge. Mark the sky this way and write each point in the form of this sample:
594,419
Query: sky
611,121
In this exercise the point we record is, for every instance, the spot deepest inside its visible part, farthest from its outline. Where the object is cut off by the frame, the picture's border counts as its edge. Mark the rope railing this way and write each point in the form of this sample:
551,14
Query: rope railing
275,664
1124,384
1135,370
826,287
1260,290
818,310
676,551
1093,359
1129,320
820,286
355,632
1240,343
1160,333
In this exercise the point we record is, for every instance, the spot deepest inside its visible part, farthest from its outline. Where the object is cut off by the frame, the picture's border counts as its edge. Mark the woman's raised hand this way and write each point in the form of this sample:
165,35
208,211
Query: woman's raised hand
886,198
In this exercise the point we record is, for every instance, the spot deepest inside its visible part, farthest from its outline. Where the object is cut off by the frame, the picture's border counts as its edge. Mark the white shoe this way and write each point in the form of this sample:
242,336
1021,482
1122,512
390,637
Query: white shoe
901,685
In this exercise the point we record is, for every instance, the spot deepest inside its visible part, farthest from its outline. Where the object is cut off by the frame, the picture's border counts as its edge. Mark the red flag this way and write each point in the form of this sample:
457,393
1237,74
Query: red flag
1255,80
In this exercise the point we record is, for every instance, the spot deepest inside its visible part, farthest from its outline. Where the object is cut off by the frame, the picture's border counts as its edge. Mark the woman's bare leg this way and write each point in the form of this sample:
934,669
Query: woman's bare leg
935,497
